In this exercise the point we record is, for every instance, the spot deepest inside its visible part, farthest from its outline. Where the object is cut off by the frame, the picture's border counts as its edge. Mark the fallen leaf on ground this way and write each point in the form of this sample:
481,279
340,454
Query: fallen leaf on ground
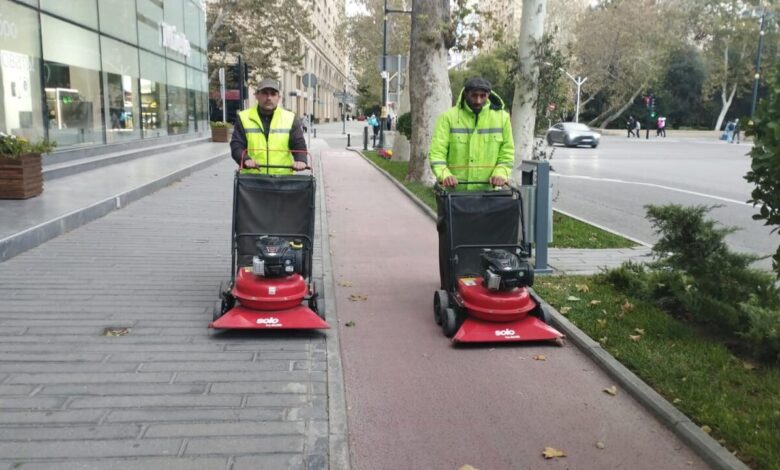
582,288
676,400
116,331
571,298
593,303
345,283
540,357
627,307
357,297
749,365
611,390
600,445
601,322
565,310
706,429
349,323
467,467
551,453
603,339
639,331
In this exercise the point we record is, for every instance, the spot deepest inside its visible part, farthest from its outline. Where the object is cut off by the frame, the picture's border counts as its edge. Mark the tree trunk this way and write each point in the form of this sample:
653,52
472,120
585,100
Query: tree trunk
430,90
527,84
726,105
624,107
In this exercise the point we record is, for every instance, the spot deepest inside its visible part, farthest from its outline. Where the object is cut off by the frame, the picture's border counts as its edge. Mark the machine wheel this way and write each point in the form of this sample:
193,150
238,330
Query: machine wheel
217,312
440,303
317,301
543,314
450,323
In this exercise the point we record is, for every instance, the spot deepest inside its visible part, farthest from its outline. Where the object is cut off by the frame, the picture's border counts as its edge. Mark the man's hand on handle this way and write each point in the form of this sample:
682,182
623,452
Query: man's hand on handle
249,163
497,180
449,182
298,166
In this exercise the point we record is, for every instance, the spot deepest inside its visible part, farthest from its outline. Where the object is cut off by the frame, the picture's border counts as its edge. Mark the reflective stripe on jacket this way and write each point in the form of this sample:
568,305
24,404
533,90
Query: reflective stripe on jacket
473,147
276,149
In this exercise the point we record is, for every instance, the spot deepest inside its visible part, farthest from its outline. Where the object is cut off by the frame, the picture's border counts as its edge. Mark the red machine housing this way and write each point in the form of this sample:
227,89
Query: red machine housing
499,316
274,303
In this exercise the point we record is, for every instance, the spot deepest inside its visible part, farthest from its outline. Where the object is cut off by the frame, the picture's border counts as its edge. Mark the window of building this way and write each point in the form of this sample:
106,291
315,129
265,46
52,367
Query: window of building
150,15
71,83
84,12
118,19
178,117
20,96
154,117
120,90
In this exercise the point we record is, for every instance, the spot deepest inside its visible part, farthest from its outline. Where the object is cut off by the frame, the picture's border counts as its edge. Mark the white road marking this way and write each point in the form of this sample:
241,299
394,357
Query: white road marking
659,186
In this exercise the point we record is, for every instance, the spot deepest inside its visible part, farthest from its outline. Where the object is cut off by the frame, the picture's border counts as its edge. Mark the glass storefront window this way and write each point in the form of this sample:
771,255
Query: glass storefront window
120,90
153,105
117,18
80,11
71,83
150,15
154,116
178,117
20,93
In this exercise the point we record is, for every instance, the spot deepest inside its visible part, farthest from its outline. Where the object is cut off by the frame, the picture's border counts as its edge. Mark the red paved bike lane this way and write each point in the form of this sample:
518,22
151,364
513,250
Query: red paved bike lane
416,402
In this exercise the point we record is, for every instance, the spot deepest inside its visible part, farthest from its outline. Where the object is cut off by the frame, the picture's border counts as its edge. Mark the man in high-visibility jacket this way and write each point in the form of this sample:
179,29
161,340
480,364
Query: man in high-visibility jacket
473,140
268,135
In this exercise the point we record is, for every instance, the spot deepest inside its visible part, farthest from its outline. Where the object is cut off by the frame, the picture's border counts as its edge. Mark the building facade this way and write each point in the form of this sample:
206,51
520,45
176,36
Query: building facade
96,72
326,60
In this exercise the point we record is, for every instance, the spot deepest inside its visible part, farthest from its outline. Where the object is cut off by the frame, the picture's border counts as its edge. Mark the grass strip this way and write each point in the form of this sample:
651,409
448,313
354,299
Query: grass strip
738,400
567,232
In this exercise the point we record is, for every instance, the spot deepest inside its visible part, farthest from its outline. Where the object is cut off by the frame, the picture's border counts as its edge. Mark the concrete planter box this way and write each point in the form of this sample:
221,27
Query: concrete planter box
21,178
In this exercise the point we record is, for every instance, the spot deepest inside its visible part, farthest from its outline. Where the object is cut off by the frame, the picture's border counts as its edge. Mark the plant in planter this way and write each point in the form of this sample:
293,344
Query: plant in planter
20,166
220,131
175,126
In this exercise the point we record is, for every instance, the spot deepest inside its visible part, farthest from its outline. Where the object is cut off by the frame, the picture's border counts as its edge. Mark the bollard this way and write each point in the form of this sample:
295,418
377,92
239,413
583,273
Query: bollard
315,133
373,140
365,138
349,140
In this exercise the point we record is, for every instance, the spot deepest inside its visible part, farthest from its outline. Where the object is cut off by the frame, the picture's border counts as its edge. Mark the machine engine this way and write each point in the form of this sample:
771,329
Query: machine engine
277,257
504,271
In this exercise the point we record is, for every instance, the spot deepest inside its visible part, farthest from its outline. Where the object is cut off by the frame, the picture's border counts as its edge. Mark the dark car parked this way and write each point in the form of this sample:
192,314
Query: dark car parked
572,134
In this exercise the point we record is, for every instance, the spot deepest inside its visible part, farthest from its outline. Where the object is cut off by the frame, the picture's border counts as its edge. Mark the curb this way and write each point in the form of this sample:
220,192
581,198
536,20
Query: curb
601,227
702,443
34,236
338,443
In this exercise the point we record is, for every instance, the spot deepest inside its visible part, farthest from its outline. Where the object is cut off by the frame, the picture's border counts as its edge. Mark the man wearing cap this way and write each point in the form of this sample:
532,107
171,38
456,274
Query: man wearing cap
473,140
268,135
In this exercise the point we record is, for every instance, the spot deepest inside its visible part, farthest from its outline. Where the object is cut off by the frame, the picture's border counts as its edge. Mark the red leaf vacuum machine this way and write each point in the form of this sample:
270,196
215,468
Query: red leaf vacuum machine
271,284
484,270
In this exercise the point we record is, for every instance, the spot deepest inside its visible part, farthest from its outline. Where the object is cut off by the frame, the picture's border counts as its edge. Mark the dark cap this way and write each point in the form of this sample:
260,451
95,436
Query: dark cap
268,83
477,83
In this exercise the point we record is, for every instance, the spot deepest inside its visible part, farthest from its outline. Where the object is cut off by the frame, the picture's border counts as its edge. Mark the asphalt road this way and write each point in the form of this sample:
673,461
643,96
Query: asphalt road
610,185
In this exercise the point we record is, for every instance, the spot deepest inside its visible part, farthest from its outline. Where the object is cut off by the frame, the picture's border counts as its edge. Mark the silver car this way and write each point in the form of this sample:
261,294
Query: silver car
572,134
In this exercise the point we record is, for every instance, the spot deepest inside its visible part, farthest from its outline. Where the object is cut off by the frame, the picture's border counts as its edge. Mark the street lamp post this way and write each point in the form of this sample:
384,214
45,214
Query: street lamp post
383,109
757,75
577,81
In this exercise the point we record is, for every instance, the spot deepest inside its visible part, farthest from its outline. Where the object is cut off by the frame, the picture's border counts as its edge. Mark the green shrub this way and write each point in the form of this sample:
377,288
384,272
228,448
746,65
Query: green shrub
404,125
13,147
765,154
219,124
696,277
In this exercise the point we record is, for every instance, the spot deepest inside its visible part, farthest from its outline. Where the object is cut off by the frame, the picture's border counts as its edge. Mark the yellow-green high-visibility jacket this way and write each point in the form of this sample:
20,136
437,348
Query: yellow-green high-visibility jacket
272,151
473,147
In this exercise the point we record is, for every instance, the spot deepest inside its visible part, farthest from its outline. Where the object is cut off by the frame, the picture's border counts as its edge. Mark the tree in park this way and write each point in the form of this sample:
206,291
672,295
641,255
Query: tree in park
431,38
267,34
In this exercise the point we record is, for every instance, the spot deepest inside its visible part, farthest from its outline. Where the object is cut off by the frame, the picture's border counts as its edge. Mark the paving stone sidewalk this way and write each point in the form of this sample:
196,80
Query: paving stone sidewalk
170,393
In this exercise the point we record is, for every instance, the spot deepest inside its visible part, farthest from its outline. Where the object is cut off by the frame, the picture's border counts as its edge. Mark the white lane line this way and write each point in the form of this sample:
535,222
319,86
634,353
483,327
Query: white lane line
658,186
